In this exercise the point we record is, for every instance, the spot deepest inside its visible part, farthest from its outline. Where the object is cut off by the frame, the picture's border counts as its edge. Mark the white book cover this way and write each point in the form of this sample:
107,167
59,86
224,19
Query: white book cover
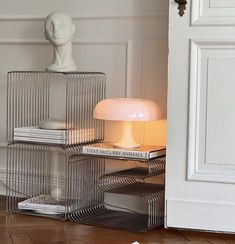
108,149
44,204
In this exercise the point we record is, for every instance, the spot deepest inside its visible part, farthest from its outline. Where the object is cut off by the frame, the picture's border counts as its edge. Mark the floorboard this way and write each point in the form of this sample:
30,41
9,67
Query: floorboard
24,229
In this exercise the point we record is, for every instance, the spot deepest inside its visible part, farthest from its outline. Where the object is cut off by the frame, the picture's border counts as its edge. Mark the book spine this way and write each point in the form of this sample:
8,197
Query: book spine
115,153
157,154
34,135
55,140
40,131
37,131
43,140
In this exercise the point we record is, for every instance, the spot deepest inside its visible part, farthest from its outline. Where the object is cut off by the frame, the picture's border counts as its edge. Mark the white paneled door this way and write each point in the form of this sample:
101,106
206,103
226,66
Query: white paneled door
200,178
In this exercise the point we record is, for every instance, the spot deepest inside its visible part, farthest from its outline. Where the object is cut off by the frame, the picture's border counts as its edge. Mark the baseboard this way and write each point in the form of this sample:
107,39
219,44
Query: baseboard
2,182
198,215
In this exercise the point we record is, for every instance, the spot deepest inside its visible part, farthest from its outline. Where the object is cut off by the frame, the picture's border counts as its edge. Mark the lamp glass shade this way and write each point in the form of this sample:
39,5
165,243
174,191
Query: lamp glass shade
127,110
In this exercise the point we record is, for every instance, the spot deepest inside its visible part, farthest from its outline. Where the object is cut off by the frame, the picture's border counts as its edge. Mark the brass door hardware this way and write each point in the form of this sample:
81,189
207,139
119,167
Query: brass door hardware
181,6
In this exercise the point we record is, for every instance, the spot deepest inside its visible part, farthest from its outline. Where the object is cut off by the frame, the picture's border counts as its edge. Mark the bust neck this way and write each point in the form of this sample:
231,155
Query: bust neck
62,58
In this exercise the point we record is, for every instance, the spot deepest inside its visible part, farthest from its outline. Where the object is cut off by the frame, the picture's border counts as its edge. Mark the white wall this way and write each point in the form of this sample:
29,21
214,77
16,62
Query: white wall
128,36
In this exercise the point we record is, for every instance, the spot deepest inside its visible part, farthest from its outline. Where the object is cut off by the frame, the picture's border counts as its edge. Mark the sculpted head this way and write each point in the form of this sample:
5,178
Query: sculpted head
59,28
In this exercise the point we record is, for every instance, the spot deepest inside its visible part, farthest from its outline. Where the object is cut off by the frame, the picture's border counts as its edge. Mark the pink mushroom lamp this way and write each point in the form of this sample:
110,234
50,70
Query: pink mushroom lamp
127,110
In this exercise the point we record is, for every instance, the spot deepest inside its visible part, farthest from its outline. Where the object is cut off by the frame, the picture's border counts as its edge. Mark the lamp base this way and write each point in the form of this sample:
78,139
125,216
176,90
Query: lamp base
126,146
127,140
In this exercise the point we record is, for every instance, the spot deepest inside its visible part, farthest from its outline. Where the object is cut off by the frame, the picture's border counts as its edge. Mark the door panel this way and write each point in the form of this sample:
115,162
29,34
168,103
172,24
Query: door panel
212,111
200,172
222,4
213,12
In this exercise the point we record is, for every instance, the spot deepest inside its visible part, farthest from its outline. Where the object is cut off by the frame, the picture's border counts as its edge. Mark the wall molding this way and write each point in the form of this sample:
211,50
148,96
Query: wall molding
146,43
75,42
85,17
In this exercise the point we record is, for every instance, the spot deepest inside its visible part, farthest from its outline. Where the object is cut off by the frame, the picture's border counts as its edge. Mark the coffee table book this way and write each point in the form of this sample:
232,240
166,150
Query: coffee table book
109,150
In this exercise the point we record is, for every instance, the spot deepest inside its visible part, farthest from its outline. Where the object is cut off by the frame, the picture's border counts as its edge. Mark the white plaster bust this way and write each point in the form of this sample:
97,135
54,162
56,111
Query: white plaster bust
59,30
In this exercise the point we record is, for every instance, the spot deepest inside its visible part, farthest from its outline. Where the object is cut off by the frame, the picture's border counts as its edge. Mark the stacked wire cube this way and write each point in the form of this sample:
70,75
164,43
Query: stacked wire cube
129,182
70,97
52,178
38,168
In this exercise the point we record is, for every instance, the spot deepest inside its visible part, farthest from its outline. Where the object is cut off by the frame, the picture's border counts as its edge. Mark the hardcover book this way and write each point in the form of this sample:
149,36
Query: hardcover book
108,149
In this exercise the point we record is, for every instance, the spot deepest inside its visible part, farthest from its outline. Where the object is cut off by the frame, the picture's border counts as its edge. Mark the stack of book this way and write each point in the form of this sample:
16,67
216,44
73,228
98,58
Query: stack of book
36,134
109,150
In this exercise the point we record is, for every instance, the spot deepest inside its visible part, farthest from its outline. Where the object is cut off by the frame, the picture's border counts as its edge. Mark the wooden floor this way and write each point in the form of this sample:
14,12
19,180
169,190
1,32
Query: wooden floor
22,229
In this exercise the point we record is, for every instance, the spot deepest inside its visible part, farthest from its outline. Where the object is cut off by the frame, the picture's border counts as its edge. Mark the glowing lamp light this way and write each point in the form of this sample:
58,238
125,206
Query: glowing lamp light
127,110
